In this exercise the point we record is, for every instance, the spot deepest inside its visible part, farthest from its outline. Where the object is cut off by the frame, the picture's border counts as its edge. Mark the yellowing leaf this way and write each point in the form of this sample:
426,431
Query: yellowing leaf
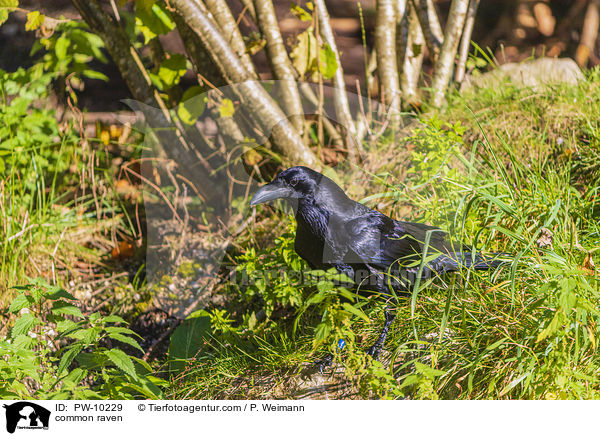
34,20
300,13
304,53
192,104
226,109
6,7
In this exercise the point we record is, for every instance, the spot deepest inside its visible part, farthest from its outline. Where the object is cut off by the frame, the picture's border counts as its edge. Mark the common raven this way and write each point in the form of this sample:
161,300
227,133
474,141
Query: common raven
378,253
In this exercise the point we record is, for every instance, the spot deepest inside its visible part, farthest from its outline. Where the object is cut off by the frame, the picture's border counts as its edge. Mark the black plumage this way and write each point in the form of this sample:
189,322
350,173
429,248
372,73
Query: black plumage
378,253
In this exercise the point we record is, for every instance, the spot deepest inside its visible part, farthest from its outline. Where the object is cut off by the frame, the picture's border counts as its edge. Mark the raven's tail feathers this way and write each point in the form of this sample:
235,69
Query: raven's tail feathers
456,261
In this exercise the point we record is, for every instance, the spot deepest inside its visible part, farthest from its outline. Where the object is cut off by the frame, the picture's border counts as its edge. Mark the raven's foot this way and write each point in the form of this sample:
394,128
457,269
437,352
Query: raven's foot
323,363
375,350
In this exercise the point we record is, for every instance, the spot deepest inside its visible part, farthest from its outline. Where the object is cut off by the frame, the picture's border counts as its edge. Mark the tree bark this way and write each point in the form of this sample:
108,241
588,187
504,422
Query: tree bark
430,26
256,100
230,30
279,62
589,34
340,98
136,77
385,46
465,42
413,58
445,63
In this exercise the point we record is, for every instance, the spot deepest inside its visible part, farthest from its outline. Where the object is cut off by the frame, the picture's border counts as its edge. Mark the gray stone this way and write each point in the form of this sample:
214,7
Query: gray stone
534,74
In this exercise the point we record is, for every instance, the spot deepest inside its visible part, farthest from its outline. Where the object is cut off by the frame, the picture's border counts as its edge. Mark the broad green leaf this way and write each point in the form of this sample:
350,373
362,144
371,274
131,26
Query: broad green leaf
61,47
300,13
122,361
152,19
304,53
329,64
322,332
113,318
68,357
171,70
64,308
19,303
192,105
353,310
126,340
188,339
24,324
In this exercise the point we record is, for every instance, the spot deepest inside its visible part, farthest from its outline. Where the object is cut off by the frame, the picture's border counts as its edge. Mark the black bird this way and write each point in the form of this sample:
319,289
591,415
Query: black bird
378,253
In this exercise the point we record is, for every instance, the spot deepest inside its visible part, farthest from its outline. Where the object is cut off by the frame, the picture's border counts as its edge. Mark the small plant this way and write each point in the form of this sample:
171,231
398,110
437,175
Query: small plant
56,352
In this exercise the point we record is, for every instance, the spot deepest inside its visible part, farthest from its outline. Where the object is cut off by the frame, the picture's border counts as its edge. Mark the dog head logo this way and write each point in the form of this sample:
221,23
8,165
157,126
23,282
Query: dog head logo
26,415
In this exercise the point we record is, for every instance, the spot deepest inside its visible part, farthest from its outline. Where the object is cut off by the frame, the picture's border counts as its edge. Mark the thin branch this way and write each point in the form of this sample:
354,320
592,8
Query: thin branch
430,25
279,61
385,46
589,34
340,98
230,30
256,100
465,42
445,63
413,58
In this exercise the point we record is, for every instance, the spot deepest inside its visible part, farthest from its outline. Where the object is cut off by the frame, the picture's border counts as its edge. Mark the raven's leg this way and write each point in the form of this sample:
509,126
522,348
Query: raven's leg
323,363
376,348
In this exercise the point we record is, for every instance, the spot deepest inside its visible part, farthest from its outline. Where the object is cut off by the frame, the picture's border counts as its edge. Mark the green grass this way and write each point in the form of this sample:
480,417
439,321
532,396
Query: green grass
519,175
504,170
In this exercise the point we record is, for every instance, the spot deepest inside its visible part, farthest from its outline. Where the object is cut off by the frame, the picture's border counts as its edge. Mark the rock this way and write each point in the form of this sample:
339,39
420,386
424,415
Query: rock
534,74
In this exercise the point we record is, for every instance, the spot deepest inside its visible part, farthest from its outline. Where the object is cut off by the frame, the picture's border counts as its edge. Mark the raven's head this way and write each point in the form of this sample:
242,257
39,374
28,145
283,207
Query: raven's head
292,184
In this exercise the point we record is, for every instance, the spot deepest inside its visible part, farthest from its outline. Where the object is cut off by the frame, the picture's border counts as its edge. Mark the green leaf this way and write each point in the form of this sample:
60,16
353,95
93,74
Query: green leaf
68,357
64,308
304,53
226,109
34,20
322,332
126,340
113,318
61,47
6,7
122,361
55,293
192,104
152,19
171,71
428,371
329,63
353,310
20,302
188,339
95,75
24,324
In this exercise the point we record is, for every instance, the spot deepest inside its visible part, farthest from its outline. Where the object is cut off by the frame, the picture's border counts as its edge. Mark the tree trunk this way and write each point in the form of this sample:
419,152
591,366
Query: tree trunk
445,63
465,42
589,34
254,98
385,46
430,26
340,99
279,62
413,58
171,138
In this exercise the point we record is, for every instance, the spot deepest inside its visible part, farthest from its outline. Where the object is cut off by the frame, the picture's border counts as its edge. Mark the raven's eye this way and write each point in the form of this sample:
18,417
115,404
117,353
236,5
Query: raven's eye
294,181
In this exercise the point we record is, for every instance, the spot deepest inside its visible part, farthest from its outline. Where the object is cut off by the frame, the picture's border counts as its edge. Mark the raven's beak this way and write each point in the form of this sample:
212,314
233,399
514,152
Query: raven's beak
269,192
